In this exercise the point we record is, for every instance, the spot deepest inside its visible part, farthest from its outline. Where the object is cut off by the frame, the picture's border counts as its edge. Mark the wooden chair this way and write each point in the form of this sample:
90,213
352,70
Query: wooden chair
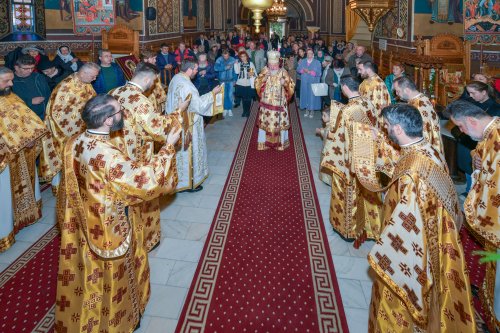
121,40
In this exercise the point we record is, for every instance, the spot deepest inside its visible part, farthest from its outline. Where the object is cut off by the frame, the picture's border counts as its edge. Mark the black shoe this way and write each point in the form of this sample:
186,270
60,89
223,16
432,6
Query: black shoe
191,190
236,105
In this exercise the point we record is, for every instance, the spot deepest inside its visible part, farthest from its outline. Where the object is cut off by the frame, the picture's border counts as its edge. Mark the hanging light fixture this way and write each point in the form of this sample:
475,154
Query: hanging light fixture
257,7
277,10
371,11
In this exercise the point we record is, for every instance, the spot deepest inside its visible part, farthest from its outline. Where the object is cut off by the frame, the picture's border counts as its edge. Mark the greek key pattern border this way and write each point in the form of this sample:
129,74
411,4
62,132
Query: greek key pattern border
20,262
327,307
200,300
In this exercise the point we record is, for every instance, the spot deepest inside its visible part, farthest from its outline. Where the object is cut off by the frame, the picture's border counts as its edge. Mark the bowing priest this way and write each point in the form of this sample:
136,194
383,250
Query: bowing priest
21,135
143,126
483,201
103,278
355,212
63,118
421,283
406,90
275,89
373,88
156,93
192,164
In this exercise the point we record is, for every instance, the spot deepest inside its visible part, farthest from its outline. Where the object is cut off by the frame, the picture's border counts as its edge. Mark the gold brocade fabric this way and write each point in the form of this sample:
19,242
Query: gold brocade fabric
20,127
375,90
421,282
63,119
103,276
431,127
482,208
21,135
157,96
273,117
353,209
143,126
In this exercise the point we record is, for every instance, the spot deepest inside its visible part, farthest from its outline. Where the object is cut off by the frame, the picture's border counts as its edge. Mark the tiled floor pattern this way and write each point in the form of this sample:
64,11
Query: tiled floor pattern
186,219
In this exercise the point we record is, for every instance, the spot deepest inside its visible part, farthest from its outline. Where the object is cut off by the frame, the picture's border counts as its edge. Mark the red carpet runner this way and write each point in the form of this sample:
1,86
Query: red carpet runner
266,265
28,288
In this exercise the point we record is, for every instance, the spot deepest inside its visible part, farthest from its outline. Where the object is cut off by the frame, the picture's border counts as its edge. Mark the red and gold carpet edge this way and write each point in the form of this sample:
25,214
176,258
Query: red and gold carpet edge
327,300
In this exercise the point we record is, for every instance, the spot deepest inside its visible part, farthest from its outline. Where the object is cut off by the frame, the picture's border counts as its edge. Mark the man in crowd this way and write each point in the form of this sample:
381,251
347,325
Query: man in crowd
182,53
53,74
257,56
64,119
21,132
165,60
407,91
360,55
483,201
192,160
143,127
110,75
355,212
101,260
373,89
224,66
203,41
275,89
420,282
206,78
30,86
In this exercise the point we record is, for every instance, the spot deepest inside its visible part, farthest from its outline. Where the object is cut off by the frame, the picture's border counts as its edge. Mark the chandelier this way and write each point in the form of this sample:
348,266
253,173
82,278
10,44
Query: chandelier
278,9
257,7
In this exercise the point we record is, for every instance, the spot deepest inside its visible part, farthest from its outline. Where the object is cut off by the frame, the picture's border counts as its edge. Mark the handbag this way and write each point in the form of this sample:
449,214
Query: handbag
319,89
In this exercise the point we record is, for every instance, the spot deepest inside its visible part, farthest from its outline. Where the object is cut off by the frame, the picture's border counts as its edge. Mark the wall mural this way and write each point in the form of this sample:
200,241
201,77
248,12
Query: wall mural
58,14
482,21
189,11
92,16
442,11
167,17
394,19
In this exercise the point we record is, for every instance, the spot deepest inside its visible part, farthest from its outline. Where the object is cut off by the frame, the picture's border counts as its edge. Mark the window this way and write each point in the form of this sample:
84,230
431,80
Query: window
23,19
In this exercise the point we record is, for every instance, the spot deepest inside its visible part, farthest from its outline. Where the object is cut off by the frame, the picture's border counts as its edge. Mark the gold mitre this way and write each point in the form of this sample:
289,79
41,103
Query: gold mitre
273,57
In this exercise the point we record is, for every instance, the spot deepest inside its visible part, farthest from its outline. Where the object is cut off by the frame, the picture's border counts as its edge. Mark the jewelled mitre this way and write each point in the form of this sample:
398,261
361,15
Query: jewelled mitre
273,57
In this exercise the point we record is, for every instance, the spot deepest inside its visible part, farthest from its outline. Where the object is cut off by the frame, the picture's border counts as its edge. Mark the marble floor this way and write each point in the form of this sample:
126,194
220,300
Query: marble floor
186,220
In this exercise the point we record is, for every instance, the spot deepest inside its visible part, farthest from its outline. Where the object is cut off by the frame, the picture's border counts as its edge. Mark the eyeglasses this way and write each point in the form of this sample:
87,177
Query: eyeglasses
111,115
27,68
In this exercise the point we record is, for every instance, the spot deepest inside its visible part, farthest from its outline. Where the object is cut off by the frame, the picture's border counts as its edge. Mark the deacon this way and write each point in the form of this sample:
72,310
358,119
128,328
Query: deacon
354,210
406,90
21,133
103,277
373,88
275,89
143,127
483,201
421,284
63,118
192,164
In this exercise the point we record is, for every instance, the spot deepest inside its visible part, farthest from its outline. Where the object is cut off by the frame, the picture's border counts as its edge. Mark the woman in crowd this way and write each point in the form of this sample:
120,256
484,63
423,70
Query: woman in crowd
483,96
244,87
67,60
398,70
310,73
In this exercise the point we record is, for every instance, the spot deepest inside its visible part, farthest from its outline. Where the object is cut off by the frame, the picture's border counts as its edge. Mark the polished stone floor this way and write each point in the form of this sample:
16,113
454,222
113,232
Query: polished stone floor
186,220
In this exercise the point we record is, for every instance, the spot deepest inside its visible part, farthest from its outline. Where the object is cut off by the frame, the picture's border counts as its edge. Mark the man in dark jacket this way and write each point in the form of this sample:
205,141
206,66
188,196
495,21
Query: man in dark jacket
110,76
166,60
52,73
31,87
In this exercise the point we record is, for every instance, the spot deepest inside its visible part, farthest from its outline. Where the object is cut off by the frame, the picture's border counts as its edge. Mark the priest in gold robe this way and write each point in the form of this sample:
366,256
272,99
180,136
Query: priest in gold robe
156,93
373,88
192,161
143,127
483,201
21,135
63,117
275,89
406,90
355,212
103,278
421,283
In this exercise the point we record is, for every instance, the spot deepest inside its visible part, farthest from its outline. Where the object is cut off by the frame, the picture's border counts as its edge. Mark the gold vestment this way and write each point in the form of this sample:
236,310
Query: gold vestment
375,90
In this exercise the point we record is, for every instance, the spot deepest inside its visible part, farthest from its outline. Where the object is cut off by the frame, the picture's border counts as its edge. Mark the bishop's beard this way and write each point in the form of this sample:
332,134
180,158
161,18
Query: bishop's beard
5,91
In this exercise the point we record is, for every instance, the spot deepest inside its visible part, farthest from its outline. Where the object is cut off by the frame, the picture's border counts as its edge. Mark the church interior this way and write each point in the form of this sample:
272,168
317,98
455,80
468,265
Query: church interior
257,249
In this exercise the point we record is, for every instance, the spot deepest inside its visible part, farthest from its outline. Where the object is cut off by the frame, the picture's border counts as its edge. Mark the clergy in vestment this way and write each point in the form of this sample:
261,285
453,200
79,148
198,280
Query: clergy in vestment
354,211
21,134
373,88
192,163
143,127
156,93
103,277
63,118
406,90
421,283
483,201
275,89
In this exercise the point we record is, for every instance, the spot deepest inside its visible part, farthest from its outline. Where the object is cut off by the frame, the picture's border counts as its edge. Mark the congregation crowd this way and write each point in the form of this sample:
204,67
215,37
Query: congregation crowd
108,185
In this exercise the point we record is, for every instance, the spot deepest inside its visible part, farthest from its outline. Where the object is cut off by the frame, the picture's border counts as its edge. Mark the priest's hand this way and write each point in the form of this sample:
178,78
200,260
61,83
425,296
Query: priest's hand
184,105
318,132
476,159
173,137
37,100
217,89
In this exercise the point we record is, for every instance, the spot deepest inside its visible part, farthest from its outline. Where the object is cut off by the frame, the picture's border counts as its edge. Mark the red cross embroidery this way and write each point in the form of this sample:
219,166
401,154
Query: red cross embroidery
464,316
79,149
450,250
485,221
66,277
97,163
384,263
60,328
116,172
397,243
96,232
409,222
412,296
68,251
454,276
120,273
119,295
96,275
90,325
422,275
141,179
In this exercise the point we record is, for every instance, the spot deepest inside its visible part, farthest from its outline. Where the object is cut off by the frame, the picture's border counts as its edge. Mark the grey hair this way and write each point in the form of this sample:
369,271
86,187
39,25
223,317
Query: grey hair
5,70
188,64
460,109
89,65
406,116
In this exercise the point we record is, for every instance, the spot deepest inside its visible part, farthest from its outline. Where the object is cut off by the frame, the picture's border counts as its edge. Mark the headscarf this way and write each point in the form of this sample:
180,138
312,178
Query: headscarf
67,58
